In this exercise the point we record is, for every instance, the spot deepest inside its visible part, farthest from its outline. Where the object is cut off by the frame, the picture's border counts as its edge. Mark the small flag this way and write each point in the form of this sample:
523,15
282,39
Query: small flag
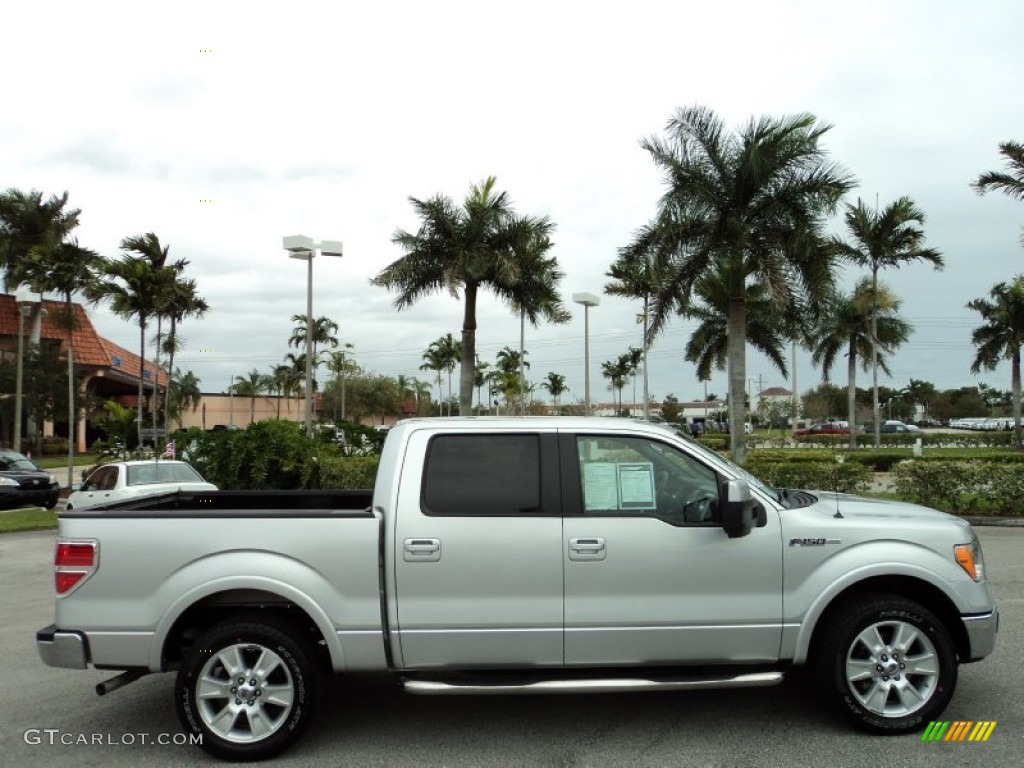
169,450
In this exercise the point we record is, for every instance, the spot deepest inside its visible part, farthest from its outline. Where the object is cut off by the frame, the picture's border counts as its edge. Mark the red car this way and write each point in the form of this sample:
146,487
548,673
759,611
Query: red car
825,428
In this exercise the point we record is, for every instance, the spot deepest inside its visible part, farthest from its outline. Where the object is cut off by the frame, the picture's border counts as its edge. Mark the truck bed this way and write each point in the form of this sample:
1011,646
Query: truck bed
245,503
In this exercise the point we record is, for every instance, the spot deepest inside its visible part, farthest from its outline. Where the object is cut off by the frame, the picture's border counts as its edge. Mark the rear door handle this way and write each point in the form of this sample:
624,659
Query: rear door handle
421,550
587,548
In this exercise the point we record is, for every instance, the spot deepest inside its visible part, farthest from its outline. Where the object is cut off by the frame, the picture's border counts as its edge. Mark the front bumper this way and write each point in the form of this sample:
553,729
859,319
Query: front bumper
44,496
981,633
62,648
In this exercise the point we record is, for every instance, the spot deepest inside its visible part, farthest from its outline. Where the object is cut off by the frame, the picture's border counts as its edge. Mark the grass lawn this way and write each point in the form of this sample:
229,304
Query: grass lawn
58,462
30,519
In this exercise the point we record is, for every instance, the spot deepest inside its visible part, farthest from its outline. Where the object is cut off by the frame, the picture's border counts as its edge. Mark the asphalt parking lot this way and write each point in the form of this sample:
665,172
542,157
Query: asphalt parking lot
370,723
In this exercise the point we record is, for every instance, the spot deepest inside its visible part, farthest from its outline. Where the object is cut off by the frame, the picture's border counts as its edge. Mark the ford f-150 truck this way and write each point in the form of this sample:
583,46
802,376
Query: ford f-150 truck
515,556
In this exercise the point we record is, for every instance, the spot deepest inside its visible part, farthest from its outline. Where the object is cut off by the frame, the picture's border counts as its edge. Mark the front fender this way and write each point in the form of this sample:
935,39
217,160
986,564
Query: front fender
807,602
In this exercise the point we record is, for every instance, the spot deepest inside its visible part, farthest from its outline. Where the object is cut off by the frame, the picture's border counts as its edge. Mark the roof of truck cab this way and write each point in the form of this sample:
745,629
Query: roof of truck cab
572,423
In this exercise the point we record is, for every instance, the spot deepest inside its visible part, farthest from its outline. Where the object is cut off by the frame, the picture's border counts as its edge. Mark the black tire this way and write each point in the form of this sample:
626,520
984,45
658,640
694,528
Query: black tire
901,685
267,706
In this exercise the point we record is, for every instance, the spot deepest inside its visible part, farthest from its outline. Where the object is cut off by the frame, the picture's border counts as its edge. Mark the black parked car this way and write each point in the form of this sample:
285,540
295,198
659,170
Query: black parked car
23,484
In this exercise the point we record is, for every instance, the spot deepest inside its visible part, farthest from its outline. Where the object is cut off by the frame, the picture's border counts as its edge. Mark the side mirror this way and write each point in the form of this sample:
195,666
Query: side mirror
739,509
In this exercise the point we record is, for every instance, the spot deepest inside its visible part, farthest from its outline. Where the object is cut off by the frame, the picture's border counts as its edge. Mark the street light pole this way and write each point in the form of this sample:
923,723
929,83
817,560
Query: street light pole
303,248
588,300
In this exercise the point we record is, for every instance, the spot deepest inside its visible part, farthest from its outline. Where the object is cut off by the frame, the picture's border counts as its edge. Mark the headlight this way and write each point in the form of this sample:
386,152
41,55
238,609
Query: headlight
8,481
969,557
54,480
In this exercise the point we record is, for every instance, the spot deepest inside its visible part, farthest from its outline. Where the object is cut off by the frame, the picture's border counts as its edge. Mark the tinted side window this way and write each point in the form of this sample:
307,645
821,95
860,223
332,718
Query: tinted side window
95,480
482,475
110,480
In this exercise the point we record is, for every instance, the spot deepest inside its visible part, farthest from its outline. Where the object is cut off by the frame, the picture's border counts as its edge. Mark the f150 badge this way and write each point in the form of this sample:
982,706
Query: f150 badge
812,542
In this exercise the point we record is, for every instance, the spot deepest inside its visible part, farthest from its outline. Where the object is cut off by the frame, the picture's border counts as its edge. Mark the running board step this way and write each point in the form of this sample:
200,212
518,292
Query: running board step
595,685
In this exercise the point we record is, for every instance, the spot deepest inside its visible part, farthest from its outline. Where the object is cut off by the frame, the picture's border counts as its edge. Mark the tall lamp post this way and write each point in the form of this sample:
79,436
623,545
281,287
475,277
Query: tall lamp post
303,248
588,300
24,299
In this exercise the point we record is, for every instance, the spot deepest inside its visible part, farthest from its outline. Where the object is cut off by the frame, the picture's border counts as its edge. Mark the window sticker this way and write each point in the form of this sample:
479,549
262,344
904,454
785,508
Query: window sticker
600,486
636,486
615,486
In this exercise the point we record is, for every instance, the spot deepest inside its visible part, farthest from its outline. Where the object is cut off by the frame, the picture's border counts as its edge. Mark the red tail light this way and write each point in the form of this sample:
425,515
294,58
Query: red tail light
74,561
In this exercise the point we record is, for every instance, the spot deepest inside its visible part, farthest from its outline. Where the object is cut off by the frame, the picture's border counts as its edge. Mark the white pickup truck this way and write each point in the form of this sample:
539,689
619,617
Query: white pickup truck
517,556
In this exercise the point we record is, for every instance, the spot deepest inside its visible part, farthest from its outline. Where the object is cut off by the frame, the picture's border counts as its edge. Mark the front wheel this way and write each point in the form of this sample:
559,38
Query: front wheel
247,686
888,662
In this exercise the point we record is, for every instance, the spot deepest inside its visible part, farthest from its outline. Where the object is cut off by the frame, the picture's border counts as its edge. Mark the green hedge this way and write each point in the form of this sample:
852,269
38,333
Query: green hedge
963,487
267,455
844,477
349,473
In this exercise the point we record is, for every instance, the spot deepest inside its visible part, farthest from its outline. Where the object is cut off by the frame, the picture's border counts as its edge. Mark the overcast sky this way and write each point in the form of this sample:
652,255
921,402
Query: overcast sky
224,126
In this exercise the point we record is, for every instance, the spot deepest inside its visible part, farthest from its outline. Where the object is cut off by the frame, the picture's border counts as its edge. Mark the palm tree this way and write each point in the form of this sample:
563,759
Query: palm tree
845,323
132,287
709,345
616,372
179,302
480,377
462,249
1012,183
289,378
149,247
32,233
251,386
634,276
635,358
325,331
555,385
434,360
536,293
451,352
882,240
754,201
65,268
185,393
27,222
342,366
1000,338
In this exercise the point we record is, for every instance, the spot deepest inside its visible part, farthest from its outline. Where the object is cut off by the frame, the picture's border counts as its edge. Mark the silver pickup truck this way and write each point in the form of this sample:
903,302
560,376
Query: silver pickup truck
518,556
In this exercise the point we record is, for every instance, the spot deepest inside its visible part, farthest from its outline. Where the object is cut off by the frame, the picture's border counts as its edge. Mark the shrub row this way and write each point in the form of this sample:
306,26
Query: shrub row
349,473
928,439
975,487
844,477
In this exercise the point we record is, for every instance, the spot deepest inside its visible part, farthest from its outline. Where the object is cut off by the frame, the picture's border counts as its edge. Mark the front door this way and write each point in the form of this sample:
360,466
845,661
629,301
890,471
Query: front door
650,576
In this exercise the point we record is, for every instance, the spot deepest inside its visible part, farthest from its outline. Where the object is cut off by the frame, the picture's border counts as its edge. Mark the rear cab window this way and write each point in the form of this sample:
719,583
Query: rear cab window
489,475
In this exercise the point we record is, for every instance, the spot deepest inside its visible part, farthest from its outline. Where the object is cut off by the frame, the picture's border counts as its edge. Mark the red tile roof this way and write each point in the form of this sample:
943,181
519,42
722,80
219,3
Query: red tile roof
90,347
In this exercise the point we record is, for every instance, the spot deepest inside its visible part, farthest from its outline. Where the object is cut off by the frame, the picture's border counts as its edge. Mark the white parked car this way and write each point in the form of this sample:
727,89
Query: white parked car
121,480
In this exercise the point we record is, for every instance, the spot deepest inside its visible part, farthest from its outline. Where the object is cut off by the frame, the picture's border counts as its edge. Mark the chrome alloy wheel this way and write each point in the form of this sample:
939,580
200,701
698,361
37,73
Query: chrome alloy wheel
892,668
245,693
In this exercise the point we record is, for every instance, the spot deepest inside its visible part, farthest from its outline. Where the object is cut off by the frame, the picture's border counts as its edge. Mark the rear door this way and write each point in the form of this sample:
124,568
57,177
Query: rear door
650,576
478,566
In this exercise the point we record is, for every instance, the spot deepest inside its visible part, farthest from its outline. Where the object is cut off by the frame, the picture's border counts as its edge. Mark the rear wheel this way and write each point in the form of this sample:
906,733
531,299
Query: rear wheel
248,687
888,663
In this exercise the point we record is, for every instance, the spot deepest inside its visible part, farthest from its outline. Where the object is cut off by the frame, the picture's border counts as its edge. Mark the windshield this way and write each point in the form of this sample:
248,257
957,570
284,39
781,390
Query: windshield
147,474
9,460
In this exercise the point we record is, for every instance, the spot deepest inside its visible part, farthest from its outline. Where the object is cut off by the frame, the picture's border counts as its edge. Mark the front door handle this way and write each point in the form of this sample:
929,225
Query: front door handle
421,550
587,548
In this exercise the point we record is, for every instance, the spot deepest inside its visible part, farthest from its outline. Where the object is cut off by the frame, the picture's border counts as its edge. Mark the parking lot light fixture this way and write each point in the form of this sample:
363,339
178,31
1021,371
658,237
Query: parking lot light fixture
588,300
303,248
